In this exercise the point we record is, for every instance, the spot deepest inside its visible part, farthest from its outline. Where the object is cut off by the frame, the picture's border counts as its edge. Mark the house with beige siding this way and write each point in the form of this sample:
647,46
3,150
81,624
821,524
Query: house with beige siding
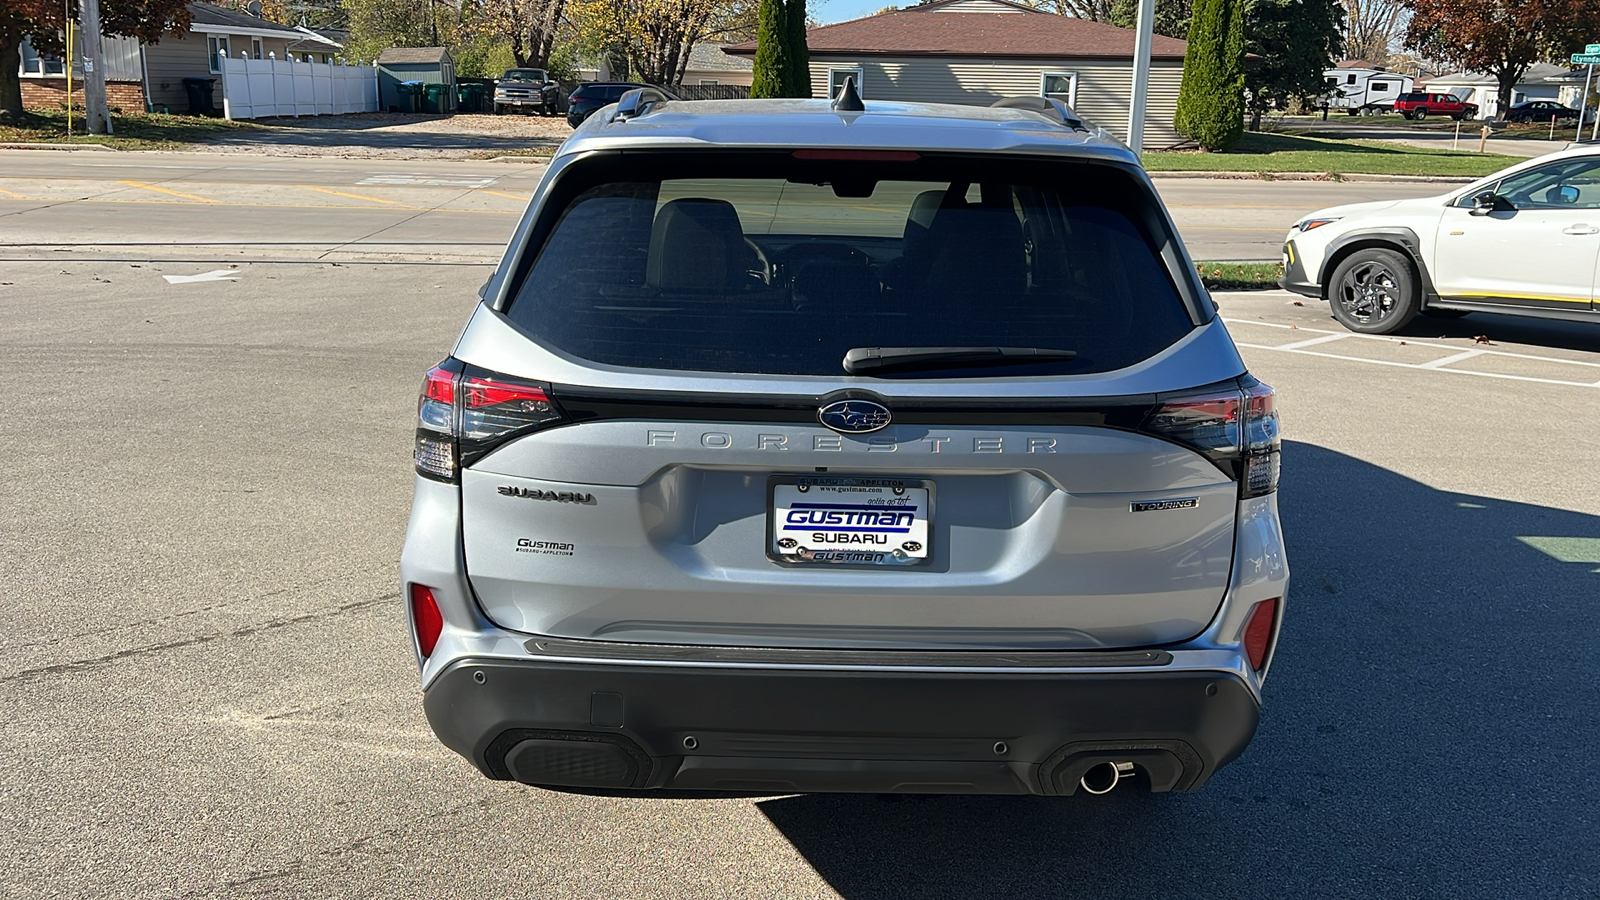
975,52
150,76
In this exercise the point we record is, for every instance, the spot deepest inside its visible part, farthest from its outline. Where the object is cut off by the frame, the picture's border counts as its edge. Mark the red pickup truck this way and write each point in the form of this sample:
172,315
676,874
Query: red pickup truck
1419,106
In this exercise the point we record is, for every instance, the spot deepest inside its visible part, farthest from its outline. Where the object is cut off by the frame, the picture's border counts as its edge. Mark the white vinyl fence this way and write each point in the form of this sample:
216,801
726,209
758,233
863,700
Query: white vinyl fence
253,88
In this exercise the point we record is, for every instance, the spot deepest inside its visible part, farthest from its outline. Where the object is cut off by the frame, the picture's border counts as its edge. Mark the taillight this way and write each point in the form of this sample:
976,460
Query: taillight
465,412
425,616
1258,632
1235,426
1261,441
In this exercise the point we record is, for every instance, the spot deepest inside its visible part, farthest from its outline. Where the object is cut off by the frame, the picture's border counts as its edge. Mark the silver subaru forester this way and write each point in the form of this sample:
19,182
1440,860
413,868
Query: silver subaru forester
803,446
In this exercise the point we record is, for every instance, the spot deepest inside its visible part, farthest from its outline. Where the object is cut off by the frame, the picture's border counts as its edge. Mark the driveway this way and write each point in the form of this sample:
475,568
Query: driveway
397,136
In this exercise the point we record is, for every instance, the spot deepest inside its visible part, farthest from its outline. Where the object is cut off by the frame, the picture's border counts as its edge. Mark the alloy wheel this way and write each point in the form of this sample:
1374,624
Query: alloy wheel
1369,293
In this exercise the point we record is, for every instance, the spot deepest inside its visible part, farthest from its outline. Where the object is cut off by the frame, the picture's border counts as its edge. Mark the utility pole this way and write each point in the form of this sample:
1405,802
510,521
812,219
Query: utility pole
95,119
1141,74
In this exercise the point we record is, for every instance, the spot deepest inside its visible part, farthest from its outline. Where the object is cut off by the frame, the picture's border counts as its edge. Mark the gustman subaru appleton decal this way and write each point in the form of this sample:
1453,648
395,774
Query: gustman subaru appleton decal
853,521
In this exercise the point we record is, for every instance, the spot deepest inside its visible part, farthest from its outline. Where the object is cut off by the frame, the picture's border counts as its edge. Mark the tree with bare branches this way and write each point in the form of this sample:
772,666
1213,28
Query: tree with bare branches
528,27
1372,28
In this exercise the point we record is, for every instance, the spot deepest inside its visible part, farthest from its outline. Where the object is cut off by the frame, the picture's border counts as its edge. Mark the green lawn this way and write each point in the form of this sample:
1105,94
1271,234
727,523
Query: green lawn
133,131
1231,276
1267,153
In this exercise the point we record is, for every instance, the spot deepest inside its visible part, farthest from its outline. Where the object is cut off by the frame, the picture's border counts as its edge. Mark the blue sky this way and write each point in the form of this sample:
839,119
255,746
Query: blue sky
831,11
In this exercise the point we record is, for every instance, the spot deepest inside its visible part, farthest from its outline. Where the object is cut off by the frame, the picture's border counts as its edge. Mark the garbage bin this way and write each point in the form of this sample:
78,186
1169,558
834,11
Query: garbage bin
434,101
410,94
200,93
470,97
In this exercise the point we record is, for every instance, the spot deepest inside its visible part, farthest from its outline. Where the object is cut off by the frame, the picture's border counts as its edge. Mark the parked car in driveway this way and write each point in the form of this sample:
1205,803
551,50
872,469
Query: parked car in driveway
1540,111
804,446
1418,106
592,95
1525,240
527,90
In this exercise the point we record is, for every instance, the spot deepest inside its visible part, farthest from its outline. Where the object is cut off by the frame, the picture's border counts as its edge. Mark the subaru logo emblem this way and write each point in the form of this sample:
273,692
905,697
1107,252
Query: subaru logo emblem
854,416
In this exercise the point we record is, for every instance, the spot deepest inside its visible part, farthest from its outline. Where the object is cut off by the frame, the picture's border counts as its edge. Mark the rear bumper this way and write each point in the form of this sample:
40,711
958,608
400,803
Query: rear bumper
686,724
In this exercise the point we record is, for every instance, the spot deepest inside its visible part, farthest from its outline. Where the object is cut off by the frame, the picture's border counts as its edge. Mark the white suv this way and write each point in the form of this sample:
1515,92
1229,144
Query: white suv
1525,240
811,447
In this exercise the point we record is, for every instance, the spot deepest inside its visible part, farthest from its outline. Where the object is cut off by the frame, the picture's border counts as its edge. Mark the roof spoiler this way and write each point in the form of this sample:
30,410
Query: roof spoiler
1048,107
637,102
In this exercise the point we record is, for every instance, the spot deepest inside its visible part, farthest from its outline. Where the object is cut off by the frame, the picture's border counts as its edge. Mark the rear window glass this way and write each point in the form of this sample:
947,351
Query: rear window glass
781,266
1412,97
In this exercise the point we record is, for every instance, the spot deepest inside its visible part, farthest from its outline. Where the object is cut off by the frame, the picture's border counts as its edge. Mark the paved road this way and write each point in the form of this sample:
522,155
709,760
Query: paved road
207,690
235,208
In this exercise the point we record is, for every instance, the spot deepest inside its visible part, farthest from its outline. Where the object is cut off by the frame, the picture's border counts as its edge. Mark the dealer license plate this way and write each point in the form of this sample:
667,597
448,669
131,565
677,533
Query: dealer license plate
850,521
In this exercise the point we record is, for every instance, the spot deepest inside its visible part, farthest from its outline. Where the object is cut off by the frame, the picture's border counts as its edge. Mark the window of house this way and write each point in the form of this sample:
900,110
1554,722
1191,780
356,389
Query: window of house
709,81
255,48
36,65
836,77
1061,86
216,48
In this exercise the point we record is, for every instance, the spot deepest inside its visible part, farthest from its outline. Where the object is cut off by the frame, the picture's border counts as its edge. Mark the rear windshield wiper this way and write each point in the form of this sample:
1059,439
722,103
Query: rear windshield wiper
871,360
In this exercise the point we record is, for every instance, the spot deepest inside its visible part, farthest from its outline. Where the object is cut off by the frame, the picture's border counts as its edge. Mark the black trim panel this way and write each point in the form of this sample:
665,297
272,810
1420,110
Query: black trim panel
796,730
792,656
1565,312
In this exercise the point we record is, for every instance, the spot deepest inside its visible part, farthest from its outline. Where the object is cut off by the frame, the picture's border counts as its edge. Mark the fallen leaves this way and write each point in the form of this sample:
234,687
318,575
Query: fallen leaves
1483,339
1297,303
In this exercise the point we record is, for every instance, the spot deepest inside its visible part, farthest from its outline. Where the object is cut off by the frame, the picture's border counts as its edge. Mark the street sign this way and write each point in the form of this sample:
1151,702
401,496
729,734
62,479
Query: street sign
1586,59
1592,49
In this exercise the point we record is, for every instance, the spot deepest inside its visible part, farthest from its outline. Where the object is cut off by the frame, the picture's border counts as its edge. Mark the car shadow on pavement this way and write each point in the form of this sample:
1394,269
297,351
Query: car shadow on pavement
1429,724
1507,329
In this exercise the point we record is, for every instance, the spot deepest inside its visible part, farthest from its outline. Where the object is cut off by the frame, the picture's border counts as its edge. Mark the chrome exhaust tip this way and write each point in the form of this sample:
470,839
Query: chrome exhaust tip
1102,778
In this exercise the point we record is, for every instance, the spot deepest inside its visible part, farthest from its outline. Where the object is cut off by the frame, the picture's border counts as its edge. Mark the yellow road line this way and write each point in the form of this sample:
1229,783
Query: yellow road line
12,194
351,196
1503,296
504,194
151,187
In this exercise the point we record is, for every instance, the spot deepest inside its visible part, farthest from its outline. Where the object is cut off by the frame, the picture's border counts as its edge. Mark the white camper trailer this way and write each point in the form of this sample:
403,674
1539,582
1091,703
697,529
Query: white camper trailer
1369,91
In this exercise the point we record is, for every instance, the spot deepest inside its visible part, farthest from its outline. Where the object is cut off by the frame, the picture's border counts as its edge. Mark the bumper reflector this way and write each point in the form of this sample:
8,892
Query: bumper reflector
1258,632
425,616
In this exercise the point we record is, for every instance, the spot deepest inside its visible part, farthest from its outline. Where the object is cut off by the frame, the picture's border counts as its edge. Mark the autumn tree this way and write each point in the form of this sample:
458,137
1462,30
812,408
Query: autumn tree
528,27
44,22
1211,99
1502,37
1372,27
651,39
1294,42
377,25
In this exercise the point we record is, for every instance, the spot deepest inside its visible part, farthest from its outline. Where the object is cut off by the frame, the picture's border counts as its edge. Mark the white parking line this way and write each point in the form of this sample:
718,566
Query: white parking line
1313,341
1436,365
1447,360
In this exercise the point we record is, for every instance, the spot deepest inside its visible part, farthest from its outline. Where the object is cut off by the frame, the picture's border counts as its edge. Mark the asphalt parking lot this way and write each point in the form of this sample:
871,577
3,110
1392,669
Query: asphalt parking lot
208,690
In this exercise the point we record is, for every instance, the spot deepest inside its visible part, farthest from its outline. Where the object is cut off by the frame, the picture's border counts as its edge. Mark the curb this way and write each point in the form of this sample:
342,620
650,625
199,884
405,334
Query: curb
1316,176
25,145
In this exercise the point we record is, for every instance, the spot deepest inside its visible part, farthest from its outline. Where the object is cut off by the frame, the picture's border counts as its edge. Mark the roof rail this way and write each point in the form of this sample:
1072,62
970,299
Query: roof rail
637,102
1051,108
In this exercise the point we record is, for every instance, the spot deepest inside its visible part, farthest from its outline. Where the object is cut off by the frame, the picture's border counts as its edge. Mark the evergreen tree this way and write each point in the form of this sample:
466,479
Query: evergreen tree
794,15
772,73
1211,100
1295,40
